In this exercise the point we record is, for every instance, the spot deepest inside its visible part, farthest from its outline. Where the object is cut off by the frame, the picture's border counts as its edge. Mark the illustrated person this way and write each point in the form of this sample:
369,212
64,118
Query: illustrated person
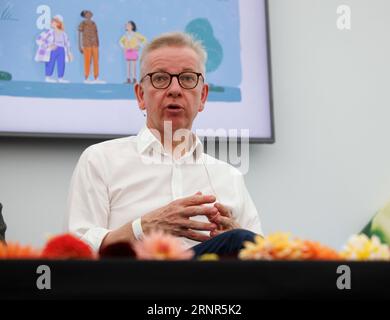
161,179
131,42
88,40
54,49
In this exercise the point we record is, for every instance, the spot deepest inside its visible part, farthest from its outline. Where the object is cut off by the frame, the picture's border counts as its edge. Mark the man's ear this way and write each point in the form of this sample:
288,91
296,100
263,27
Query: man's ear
139,93
203,97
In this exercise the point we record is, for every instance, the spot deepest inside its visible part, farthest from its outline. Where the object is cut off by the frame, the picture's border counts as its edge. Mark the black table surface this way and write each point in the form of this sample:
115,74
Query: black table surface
186,280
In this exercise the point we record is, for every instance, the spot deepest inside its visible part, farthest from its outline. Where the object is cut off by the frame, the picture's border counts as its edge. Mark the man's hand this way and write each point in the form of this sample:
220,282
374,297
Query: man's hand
174,218
223,219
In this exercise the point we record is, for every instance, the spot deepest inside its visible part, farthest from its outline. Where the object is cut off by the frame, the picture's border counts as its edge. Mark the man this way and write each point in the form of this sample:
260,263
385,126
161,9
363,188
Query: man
161,179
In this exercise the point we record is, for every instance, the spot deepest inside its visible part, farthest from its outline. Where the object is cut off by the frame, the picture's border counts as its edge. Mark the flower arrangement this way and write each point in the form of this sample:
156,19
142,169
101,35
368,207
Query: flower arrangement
161,246
64,246
282,246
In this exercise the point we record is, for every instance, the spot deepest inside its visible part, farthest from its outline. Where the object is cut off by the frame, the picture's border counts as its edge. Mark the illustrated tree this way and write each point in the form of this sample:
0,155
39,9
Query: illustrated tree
5,76
202,30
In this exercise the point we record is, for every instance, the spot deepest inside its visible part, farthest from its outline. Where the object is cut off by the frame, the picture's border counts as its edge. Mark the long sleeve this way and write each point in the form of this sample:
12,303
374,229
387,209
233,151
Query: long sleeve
97,35
141,38
67,41
43,38
122,41
88,202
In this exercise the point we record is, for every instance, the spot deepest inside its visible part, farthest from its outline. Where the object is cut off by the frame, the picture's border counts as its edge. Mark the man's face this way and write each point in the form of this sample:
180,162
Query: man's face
174,103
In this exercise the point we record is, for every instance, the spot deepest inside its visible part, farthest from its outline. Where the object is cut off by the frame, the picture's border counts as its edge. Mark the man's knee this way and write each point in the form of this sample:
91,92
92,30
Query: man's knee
241,235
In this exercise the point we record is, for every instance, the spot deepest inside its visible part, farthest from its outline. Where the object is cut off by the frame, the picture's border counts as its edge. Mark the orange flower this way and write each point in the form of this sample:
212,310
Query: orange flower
16,251
316,251
67,246
161,246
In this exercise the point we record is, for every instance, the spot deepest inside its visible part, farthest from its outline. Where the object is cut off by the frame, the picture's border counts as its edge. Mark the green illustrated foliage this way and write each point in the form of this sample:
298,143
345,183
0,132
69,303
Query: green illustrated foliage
5,76
202,30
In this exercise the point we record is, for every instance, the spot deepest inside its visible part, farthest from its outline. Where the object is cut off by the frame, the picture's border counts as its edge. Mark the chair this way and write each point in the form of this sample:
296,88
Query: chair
379,225
3,226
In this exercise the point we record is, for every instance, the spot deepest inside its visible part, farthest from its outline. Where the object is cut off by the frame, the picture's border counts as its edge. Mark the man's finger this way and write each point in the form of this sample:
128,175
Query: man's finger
216,232
197,199
196,225
224,221
223,210
199,210
214,217
196,236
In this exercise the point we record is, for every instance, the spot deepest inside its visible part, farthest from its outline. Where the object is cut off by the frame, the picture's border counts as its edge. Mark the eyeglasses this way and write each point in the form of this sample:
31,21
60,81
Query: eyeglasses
162,80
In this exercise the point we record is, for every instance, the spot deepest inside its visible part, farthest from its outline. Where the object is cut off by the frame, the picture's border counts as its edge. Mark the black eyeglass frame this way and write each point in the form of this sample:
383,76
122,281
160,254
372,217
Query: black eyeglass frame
171,75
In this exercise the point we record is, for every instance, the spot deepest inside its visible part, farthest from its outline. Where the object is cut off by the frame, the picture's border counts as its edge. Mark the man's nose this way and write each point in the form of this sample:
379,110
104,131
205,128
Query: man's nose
174,88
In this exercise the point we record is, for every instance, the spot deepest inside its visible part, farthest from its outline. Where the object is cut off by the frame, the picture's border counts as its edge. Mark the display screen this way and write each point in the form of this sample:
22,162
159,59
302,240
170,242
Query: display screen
48,87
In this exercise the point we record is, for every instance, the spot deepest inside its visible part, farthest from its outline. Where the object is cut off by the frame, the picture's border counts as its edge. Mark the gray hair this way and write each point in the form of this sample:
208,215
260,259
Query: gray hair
176,39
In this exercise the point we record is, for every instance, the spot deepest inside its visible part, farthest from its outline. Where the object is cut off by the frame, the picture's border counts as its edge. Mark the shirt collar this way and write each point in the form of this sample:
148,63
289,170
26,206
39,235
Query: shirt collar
147,141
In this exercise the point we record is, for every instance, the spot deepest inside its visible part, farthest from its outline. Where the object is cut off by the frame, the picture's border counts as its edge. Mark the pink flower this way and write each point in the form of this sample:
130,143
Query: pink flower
161,246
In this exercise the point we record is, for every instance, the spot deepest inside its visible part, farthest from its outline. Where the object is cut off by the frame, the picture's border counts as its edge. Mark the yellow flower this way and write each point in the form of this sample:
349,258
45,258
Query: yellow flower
209,257
360,247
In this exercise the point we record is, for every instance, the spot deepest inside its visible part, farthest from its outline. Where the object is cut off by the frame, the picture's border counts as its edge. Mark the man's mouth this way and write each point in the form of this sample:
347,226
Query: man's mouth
174,107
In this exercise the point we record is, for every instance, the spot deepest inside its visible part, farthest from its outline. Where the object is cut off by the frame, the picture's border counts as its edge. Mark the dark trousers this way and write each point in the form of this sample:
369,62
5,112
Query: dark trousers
57,55
228,243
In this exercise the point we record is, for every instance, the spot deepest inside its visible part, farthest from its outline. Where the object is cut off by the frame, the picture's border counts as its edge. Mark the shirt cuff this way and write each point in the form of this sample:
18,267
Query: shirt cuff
94,237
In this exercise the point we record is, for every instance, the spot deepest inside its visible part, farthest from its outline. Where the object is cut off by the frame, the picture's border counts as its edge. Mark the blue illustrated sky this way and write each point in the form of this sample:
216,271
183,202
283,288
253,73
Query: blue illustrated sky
18,31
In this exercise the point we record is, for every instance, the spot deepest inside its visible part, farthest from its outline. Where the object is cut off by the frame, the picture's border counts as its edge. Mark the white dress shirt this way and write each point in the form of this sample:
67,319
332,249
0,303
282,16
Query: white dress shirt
120,180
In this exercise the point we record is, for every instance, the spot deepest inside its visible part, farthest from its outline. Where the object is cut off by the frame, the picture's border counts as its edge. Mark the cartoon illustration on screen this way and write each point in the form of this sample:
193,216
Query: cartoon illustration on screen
110,36
131,42
54,49
88,39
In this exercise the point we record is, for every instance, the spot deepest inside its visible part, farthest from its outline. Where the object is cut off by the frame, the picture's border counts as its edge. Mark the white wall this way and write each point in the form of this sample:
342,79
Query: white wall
329,169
